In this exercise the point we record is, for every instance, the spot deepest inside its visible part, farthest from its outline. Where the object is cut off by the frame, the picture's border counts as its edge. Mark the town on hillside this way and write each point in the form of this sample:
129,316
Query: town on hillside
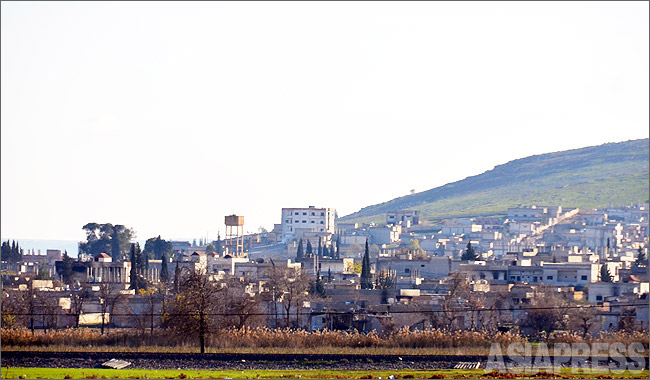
535,270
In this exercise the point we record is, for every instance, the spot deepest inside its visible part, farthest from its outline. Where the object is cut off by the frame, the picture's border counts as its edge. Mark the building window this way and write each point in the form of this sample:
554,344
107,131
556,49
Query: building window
287,221
312,221
407,270
321,230
549,277
304,213
304,221
296,221
313,213
296,213
599,298
321,222
584,277
322,214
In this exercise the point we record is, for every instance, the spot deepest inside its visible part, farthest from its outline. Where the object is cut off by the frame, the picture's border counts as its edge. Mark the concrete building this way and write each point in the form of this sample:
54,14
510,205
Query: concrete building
406,218
298,221
385,235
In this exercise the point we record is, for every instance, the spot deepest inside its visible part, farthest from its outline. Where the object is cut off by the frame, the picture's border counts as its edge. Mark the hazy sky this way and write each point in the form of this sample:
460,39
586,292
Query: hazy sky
167,116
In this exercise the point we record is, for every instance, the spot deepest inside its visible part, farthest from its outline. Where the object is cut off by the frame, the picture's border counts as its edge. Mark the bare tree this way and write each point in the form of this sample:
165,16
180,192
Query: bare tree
195,311
548,311
453,300
49,309
78,297
237,302
109,297
13,305
292,285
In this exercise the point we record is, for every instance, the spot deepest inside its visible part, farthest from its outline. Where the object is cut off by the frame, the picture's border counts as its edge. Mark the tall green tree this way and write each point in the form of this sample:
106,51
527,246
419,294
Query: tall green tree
605,276
469,254
66,272
320,248
366,277
107,238
338,246
155,248
12,253
218,246
641,258
138,260
309,251
300,252
164,270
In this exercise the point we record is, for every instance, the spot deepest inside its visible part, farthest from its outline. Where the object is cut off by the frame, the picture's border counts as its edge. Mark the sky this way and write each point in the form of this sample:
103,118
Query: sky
165,117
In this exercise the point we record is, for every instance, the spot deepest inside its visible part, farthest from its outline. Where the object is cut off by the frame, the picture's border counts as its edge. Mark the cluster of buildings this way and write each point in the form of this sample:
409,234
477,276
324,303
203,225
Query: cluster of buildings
592,257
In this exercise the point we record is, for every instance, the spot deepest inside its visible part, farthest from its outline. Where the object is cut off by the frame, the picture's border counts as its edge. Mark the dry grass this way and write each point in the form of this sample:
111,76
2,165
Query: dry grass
274,340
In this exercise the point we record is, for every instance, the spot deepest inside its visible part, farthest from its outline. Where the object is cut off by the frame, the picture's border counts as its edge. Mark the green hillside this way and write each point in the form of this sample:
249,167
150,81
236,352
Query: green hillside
614,173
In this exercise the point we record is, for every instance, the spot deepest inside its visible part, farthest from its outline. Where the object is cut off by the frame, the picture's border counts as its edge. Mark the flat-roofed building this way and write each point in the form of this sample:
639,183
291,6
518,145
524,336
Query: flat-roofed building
296,222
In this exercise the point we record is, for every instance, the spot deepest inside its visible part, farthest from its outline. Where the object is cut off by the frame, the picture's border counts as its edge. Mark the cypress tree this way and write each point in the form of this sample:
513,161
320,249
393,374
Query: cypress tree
310,250
605,276
134,268
366,281
164,275
66,274
320,248
300,253
177,277
338,246
469,254
326,252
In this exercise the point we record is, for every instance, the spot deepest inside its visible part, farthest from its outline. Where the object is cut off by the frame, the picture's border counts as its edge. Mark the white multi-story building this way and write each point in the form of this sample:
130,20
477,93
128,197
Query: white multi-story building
298,221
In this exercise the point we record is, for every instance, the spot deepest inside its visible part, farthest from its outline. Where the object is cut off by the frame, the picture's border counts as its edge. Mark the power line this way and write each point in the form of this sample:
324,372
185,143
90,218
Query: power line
333,312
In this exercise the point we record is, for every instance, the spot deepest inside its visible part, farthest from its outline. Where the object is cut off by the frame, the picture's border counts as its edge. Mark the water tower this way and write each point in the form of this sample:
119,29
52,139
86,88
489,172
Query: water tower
234,236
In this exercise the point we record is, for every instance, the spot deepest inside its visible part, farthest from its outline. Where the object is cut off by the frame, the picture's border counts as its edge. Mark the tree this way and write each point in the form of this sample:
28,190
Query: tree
210,248
109,297
338,246
469,254
548,311
366,276
316,287
237,303
138,264
196,308
78,298
299,252
320,248
218,247
66,273
641,258
605,276
11,253
43,273
310,250
156,248
290,285
164,270
415,249
107,238
326,252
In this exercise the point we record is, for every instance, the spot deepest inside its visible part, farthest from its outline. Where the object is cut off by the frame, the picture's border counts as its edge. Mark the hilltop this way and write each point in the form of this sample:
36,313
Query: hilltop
592,177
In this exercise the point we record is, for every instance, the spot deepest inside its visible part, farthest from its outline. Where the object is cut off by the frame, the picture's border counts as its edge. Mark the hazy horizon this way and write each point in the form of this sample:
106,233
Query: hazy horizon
167,116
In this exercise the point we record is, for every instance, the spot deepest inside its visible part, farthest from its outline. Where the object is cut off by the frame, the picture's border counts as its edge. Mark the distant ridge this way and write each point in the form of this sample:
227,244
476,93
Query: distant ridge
597,176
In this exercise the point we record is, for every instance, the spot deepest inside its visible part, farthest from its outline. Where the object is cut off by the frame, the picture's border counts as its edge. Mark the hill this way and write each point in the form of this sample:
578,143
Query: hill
597,176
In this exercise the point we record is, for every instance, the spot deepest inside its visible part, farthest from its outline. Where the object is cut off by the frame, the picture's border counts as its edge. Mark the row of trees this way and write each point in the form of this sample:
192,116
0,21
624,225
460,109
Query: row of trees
11,252
322,250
